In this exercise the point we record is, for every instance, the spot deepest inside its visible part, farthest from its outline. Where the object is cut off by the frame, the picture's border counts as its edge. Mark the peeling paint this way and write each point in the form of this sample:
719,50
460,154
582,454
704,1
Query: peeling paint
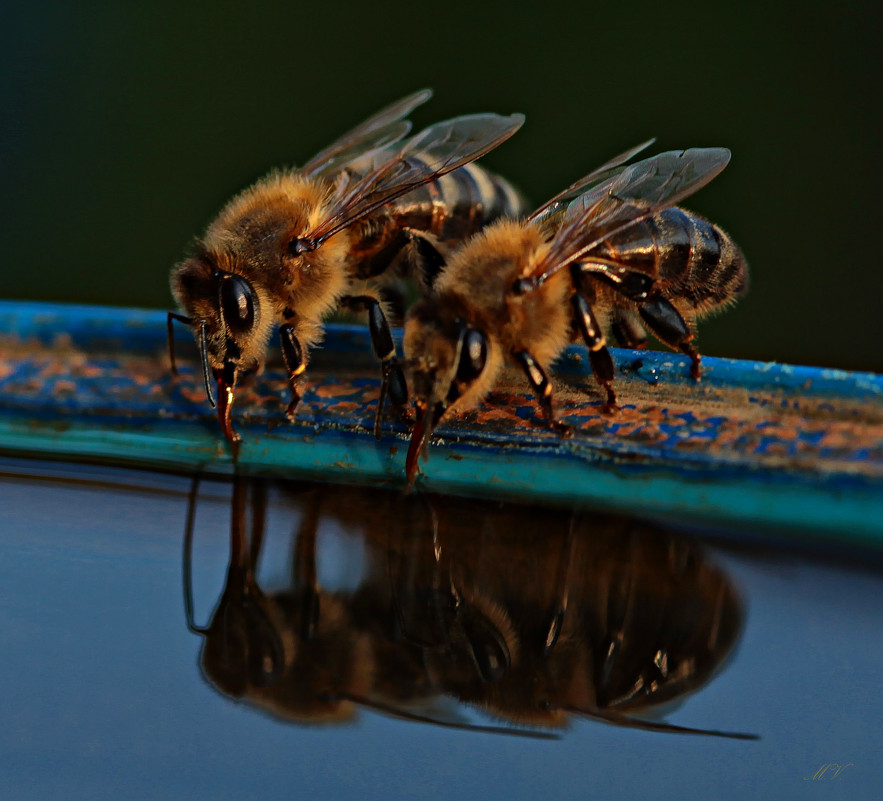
64,377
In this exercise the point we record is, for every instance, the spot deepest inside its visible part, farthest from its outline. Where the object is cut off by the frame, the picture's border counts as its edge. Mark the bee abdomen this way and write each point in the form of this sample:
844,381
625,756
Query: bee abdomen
709,272
693,260
460,203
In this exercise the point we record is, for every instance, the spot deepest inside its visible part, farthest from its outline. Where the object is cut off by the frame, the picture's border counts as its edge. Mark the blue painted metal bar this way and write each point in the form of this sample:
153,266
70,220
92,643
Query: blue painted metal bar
795,448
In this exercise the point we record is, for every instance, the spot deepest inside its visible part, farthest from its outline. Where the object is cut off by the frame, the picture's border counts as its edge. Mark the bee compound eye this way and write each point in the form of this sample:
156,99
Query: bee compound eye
237,304
473,355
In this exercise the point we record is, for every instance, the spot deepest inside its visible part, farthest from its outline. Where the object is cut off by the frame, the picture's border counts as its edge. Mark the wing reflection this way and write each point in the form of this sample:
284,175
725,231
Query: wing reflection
530,615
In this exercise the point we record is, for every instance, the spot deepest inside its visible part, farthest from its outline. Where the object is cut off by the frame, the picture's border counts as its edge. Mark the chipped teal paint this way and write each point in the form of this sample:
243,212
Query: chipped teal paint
728,474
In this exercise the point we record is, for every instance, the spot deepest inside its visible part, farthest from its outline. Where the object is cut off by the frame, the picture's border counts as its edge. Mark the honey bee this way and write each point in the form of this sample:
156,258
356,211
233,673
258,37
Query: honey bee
548,615
304,653
631,255
529,615
300,243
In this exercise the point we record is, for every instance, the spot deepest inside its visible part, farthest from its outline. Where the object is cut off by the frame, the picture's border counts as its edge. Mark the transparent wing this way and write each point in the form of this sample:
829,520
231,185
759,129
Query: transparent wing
386,127
625,198
605,171
423,158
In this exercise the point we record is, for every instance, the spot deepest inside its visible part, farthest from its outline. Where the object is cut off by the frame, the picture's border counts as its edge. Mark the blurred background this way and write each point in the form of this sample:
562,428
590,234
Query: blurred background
126,126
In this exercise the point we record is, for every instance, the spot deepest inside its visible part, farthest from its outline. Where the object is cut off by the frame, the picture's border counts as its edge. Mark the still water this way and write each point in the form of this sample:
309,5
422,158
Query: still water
242,639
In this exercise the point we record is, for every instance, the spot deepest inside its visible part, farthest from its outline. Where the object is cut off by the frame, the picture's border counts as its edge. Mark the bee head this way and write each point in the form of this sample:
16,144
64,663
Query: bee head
225,310
243,648
448,359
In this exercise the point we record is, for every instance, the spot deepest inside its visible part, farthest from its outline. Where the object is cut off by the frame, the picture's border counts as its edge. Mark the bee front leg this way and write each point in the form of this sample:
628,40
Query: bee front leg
667,323
293,354
392,379
542,388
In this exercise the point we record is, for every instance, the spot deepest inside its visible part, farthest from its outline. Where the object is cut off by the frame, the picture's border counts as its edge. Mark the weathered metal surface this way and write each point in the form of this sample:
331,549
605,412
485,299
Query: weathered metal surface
759,443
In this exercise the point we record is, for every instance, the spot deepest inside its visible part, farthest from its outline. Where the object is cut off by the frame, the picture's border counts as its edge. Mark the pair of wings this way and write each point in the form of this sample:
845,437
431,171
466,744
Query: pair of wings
391,165
614,197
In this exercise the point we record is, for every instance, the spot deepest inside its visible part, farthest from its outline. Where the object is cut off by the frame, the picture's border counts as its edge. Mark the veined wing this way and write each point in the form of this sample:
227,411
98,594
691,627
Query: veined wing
624,199
435,151
384,128
596,176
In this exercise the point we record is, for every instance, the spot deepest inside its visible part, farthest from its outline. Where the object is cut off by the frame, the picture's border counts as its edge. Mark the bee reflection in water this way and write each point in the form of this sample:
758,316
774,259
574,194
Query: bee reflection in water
530,615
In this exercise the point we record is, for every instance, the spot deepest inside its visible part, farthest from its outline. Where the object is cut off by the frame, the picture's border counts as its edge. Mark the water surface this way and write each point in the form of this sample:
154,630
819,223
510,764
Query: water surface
363,606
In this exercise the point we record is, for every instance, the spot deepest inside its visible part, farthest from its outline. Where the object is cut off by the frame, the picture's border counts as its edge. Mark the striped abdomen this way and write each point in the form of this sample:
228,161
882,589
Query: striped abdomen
459,204
695,263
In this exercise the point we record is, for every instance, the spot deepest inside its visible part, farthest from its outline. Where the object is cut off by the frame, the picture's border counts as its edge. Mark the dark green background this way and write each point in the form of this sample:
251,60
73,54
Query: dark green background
125,128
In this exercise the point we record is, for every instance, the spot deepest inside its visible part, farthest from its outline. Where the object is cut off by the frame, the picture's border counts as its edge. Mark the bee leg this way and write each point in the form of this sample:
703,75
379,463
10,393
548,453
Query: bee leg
667,323
563,582
599,355
592,334
394,298
542,388
293,355
628,330
418,247
379,261
428,260
392,378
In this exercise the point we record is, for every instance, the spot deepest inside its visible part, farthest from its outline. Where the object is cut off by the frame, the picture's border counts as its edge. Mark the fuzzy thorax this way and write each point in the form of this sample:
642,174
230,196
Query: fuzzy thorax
475,290
252,238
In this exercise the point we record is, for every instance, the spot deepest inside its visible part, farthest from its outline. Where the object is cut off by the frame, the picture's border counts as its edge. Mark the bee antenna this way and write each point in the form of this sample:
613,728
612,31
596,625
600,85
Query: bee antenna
206,371
172,317
187,561
617,719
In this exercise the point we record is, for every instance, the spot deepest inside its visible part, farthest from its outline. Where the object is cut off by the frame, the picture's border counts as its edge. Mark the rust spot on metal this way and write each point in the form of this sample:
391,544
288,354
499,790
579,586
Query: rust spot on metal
773,428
